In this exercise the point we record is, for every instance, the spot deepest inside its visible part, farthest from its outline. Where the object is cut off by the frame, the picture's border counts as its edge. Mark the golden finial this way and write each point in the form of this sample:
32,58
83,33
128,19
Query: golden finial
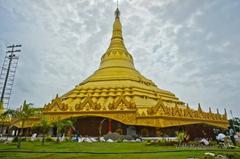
117,12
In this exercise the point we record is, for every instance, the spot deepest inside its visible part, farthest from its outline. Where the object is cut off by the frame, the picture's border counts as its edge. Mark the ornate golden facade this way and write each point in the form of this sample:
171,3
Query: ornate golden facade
116,90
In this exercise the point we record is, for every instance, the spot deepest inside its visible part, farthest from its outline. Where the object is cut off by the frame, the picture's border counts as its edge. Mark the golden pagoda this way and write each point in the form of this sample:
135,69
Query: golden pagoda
118,92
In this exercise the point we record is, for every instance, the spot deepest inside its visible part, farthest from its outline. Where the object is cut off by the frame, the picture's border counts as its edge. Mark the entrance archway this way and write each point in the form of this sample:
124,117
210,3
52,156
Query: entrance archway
90,125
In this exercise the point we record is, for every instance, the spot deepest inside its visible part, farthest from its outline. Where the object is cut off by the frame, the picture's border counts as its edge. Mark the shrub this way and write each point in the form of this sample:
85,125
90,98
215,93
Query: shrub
212,143
3,140
117,137
49,139
233,156
68,139
149,142
194,143
161,142
24,139
113,136
128,137
15,139
180,137
119,141
167,143
37,140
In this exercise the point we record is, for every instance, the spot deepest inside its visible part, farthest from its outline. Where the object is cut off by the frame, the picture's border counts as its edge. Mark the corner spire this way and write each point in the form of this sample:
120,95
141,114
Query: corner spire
199,107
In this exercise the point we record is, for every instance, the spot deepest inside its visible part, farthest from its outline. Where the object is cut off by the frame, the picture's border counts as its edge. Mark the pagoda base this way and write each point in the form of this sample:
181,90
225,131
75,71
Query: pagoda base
99,126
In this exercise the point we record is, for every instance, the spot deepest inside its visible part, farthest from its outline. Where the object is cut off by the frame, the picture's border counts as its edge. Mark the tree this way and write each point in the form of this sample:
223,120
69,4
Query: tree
74,123
1,107
5,117
9,114
22,115
61,125
181,136
235,124
2,116
45,126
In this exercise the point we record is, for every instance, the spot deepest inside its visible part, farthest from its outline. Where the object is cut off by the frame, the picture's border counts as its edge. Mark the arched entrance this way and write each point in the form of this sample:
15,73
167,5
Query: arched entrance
97,126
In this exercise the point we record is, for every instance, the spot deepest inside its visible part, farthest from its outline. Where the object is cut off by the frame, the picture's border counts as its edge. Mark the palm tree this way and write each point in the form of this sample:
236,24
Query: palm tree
4,117
68,124
45,126
9,114
181,136
23,114
61,125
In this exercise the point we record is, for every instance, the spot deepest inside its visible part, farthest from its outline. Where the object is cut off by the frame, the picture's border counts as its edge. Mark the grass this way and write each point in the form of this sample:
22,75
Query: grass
69,150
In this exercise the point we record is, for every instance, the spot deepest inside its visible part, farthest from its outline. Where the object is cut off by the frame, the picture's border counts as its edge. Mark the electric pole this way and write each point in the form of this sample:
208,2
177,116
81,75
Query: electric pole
8,72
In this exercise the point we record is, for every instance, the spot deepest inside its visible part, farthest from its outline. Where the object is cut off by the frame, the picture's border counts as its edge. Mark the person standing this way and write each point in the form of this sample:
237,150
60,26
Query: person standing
232,134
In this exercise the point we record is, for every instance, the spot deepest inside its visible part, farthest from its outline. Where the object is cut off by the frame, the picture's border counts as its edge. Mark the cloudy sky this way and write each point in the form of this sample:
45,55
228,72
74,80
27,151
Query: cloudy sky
189,47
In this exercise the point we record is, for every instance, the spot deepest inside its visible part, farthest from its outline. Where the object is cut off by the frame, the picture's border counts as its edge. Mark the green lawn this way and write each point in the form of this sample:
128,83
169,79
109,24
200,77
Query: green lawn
100,151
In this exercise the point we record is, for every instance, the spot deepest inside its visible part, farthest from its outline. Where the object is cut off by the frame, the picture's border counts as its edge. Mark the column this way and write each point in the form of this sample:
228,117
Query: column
109,125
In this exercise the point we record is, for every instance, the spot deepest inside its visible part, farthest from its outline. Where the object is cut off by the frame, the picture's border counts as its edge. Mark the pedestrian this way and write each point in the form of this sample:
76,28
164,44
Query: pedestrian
232,134
220,139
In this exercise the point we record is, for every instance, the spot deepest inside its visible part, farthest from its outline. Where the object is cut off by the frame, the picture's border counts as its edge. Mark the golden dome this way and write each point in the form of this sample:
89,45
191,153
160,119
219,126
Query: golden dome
117,70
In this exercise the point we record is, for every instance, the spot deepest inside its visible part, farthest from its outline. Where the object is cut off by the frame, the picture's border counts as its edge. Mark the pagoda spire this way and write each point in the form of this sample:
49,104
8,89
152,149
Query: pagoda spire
117,12
117,55
117,63
117,26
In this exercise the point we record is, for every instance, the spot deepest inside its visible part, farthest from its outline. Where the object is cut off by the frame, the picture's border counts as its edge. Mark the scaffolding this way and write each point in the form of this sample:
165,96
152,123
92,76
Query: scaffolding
8,73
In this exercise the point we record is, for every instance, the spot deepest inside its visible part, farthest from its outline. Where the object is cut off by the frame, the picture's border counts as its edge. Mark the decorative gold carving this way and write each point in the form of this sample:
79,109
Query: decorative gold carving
159,107
56,105
121,104
161,110
87,104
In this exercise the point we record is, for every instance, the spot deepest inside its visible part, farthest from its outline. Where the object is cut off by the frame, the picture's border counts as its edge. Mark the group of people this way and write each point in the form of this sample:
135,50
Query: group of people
221,137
